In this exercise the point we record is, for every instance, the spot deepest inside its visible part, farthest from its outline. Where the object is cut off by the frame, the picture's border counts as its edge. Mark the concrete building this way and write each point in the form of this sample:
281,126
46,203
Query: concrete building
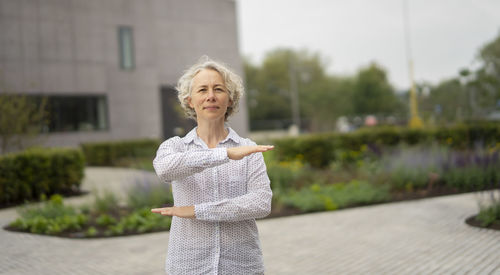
108,66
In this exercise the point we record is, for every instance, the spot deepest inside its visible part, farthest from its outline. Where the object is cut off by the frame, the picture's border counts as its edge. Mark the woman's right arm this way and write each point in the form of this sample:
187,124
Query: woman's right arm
174,162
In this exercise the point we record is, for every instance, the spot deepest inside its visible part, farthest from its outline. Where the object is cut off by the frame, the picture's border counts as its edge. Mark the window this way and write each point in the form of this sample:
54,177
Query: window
126,45
77,113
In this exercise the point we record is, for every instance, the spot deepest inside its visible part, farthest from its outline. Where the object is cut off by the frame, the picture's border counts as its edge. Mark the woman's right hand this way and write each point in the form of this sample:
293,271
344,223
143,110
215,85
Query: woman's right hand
237,153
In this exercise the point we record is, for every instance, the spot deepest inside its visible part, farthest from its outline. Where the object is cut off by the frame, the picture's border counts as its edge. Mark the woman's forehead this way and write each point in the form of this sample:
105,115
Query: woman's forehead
206,76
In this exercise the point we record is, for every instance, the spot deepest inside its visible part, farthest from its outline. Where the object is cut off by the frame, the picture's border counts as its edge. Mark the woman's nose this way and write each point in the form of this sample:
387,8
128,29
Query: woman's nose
211,94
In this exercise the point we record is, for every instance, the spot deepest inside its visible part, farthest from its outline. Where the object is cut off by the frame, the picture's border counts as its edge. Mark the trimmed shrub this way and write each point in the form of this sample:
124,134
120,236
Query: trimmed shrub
40,171
114,152
321,149
317,150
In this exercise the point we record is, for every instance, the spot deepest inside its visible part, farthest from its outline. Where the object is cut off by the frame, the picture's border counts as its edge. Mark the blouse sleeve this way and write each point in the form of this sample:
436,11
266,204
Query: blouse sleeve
174,162
255,204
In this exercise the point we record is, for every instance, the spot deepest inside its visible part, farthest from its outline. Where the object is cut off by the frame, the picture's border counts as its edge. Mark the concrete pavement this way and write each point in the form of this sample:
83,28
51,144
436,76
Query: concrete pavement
426,236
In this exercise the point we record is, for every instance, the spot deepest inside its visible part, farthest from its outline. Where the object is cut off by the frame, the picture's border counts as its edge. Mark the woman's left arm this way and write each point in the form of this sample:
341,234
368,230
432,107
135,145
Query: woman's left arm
255,204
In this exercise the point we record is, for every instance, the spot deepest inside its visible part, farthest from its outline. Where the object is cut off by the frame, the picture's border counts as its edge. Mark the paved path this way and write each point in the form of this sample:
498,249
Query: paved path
417,237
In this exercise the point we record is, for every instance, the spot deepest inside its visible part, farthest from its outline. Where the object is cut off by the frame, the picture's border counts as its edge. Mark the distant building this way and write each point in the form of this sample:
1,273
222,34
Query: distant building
108,67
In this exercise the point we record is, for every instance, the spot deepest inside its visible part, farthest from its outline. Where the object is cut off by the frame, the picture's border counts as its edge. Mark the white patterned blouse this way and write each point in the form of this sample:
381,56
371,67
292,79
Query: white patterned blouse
228,196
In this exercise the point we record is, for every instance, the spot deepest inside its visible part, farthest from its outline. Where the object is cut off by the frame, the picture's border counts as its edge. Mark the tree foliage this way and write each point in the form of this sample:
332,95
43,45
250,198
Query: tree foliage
472,94
269,85
448,101
21,120
373,94
322,97
486,80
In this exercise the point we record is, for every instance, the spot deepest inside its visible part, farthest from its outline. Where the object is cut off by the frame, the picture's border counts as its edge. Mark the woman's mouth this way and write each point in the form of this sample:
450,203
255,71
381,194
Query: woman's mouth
211,108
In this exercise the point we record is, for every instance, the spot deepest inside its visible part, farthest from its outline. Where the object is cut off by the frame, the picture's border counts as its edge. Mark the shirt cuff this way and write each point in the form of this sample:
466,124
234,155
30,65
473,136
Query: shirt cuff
220,154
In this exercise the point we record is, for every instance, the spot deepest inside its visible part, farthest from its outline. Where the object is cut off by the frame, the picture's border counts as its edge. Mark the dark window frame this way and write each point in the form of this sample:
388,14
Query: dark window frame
62,116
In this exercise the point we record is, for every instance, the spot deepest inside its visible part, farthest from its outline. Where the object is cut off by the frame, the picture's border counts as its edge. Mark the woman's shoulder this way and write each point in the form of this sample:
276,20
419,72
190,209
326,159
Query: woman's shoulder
173,143
173,140
178,141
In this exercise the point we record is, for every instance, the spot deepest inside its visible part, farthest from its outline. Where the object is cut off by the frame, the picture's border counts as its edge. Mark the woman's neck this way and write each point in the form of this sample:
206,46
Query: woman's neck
212,132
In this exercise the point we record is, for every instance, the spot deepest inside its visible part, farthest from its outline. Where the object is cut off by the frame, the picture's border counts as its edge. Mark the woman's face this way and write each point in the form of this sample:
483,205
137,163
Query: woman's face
209,96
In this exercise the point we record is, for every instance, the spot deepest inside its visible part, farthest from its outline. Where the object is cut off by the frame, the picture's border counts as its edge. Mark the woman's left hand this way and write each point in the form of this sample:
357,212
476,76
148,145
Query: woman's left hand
178,211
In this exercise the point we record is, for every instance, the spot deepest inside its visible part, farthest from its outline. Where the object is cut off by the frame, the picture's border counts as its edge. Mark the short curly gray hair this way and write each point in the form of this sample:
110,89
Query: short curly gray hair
232,81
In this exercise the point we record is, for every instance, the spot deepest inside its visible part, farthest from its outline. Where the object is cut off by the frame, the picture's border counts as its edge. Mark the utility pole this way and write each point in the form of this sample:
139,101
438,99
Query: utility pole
294,93
415,121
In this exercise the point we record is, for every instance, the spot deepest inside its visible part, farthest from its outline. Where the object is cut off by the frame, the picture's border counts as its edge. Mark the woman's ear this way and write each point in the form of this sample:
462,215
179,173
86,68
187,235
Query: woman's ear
189,102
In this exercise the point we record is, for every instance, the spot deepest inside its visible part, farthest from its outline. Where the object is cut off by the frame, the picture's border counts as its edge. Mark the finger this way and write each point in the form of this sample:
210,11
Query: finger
167,212
264,148
157,210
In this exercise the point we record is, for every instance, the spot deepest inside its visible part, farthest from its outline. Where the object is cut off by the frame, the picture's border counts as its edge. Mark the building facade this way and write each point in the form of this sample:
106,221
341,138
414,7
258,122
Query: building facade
108,67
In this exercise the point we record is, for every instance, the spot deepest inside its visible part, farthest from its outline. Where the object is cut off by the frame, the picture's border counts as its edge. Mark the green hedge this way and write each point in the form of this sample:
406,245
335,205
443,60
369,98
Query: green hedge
320,149
111,153
29,174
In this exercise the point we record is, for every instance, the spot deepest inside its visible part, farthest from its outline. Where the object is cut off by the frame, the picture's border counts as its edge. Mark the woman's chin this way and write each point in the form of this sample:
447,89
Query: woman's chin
211,118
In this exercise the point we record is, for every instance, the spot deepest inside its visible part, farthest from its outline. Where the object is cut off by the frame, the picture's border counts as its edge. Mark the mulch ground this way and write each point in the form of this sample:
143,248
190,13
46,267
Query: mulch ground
472,221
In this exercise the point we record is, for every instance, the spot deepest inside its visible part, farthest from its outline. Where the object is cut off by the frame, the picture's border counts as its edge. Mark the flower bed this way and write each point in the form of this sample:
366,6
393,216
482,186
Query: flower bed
375,174
104,218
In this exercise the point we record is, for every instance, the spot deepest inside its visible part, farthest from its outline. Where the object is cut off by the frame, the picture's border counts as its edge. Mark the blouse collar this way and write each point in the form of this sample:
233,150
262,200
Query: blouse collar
192,136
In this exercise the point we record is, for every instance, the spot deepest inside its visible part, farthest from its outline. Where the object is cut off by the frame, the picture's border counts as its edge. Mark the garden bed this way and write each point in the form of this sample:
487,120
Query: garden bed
368,176
106,217
122,221
474,221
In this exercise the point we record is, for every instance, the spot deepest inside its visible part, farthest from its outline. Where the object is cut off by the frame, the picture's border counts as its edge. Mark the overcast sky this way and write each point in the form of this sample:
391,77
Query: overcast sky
445,35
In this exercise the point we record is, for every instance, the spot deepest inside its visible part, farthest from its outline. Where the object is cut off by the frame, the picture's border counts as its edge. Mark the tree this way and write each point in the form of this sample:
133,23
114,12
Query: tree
373,93
473,94
267,91
321,98
330,100
21,120
483,85
490,57
446,102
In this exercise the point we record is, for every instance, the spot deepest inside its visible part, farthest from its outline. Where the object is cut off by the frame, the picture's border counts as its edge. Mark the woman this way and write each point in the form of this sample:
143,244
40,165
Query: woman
219,181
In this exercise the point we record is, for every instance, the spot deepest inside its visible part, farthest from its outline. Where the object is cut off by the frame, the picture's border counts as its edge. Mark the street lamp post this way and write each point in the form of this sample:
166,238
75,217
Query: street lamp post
415,121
